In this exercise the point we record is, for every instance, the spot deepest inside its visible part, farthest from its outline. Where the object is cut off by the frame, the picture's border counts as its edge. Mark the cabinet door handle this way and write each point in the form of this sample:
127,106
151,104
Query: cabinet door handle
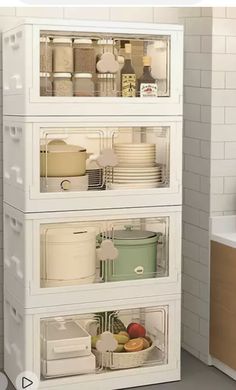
14,224
15,132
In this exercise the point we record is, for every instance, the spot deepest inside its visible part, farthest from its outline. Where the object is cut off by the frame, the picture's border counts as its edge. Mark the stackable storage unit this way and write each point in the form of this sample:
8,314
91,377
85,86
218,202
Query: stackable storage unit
93,254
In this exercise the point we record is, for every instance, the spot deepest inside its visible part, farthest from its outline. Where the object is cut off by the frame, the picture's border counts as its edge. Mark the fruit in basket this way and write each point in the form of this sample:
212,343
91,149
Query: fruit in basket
121,339
146,343
134,345
94,340
124,333
136,330
120,348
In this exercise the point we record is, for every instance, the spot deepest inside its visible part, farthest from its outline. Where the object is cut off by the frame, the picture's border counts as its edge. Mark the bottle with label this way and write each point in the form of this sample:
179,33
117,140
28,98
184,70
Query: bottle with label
147,85
128,76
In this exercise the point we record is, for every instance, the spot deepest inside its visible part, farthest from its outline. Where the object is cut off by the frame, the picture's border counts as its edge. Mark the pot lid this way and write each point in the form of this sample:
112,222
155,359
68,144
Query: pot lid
131,234
58,146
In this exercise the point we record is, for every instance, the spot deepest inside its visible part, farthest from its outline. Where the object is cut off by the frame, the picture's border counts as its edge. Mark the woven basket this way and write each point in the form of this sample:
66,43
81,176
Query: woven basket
119,360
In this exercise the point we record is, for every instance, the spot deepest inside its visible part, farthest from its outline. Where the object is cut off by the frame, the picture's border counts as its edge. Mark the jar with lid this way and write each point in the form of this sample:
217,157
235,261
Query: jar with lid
45,54
45,84
84,56
83,84
62,55
105,46
106,85
62,84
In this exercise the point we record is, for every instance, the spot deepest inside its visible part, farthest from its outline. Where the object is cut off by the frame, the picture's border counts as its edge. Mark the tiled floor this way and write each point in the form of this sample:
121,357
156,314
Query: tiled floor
195,376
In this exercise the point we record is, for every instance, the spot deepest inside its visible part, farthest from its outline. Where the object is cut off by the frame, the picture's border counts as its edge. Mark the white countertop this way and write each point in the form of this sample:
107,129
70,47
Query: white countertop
223,230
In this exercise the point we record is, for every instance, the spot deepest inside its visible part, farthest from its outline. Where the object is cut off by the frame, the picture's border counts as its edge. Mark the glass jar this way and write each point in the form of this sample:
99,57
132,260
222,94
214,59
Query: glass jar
106,85
45,54
84,56
105,46
62,55
83,84
62,84
45,84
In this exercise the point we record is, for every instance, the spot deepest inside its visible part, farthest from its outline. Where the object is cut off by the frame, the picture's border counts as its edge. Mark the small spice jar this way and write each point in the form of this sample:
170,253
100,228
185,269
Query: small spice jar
83,84
45,54
62,55
84,56
62,84
105,46
45,84
106,85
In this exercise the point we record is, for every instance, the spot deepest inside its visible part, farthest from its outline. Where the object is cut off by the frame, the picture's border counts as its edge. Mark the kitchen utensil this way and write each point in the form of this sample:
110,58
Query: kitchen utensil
68,256
137,255
59,159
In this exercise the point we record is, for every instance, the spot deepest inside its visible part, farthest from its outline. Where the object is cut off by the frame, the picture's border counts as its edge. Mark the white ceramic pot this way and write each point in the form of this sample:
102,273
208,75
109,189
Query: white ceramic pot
58,159
68,256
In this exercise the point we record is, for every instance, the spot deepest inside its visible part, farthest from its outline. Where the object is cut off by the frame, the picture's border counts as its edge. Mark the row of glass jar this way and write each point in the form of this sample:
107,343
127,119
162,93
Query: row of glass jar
80,84
65,55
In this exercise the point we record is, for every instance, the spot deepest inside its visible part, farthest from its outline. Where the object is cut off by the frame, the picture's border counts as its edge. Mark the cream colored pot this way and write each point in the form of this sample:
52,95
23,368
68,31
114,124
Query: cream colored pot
68,256
57,158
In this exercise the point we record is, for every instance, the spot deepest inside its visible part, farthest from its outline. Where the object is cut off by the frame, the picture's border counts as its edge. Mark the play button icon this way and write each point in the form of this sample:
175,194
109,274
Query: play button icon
27,380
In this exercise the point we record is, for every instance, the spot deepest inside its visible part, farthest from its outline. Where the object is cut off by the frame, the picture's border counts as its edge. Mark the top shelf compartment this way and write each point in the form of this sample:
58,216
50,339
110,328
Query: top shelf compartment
103,70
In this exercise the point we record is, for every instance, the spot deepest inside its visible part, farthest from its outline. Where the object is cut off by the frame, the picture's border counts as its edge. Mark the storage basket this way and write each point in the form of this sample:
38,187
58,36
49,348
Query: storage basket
122,360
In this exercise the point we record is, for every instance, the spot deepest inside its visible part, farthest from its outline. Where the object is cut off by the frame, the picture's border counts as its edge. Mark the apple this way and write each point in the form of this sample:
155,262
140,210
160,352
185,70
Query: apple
136,330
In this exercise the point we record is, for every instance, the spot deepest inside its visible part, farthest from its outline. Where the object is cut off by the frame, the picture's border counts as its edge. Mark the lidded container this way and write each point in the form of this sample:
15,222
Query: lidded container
45,54
137,257
84,56
106,84
62,55
45,84
83,84
68,256
65,348
59,159
62,84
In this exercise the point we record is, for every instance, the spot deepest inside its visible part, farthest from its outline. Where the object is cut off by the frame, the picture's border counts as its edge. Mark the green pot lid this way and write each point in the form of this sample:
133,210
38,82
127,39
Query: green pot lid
131,234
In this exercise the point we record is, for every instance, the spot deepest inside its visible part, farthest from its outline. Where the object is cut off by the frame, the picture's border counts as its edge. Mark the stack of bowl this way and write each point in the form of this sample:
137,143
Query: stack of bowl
136,167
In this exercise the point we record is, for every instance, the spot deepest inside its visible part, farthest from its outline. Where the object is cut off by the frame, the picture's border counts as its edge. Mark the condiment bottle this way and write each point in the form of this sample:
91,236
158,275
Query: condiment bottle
128,76
147,85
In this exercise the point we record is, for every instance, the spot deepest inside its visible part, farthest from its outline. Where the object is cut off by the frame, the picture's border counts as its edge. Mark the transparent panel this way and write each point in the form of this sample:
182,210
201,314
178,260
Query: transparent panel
81,159
103,341
104,251
104,65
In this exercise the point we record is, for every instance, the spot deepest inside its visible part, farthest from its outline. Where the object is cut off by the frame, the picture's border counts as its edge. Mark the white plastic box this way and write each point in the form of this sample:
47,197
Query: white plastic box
25,262
21,68
23,137
160,317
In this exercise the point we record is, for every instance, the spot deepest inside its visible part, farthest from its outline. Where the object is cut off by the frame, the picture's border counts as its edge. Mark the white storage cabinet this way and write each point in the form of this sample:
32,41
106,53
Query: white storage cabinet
30,346
26,264
27,191
21,68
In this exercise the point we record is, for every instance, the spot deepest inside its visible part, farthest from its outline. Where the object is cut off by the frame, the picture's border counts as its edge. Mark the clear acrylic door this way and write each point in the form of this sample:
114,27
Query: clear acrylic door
104,251
102,158
90,64
103,341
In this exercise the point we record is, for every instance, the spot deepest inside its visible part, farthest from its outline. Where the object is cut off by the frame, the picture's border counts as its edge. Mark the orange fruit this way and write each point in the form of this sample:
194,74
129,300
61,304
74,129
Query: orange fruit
134,345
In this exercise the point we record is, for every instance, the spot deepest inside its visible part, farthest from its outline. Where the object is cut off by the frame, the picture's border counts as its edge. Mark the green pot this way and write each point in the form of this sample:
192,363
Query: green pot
137,257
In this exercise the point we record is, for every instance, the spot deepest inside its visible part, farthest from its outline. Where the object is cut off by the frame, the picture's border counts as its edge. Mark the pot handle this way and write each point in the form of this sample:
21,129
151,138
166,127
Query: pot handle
139,270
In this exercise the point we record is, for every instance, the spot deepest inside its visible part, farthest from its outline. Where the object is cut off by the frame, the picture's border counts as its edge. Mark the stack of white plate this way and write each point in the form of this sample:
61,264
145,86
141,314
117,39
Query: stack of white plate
137,167
136,155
